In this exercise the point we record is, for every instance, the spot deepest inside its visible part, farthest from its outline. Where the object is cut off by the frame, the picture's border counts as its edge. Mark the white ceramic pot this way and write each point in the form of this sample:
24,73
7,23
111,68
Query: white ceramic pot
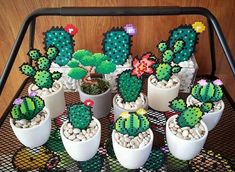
117,110
34,136
159,98
211,118
132,158
84,150
181,148
102,102
55,101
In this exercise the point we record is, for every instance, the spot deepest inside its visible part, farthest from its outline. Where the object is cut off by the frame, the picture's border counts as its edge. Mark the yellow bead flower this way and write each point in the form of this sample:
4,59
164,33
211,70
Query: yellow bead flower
199,27
141,111
125,115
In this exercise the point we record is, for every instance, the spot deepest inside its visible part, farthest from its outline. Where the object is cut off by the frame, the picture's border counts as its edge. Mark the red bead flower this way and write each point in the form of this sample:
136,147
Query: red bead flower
71,29
89,102
142,66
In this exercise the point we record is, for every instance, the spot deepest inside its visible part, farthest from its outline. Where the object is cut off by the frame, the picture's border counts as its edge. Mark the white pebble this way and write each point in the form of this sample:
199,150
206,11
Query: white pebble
69,125
76,130
66,134
80,136
92,124
185,133
70,131
72,137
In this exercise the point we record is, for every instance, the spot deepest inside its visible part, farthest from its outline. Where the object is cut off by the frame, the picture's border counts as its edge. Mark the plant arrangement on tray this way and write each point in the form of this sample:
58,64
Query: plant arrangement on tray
210,94
179,48
129,83
81,132
45,83
28,119
188,128
131,138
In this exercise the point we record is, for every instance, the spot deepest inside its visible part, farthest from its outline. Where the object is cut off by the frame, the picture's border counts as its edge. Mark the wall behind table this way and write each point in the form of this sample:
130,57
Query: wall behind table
151,30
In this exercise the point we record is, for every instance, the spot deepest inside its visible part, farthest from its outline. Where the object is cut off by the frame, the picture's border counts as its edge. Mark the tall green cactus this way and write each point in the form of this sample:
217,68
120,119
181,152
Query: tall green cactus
60,38
117,45
131,123
129,86
40,73
80,115
27,108
189,116
207,92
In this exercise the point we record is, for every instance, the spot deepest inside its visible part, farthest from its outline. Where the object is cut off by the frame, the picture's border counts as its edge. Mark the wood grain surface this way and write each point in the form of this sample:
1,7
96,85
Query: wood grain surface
151,30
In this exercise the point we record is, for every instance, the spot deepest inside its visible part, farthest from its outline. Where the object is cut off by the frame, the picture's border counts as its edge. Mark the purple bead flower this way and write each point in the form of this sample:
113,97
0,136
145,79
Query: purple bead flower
202,82
32,94
217,82
130,29
18,101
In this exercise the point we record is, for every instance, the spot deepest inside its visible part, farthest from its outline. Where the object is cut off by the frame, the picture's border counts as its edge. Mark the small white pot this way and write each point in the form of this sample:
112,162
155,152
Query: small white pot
34,136
159,98
132,158
117,110
102,102
181,148
84,150
211,118
55,101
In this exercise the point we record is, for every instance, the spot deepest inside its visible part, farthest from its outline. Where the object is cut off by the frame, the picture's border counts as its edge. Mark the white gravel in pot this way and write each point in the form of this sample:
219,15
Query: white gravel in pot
132,142
187,133
45,91
75,134
23,123
139,103
173,81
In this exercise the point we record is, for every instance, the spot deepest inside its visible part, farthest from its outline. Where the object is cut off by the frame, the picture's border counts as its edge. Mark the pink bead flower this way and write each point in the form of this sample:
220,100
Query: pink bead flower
18,101
202,82
217,82
142,66
71,29
130,29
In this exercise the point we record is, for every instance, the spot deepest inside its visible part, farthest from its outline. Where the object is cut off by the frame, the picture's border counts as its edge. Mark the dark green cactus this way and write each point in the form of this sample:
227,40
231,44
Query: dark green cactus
117,45
40,73
189,116
58,37
207,92
28,108
129,86
131,123
80,115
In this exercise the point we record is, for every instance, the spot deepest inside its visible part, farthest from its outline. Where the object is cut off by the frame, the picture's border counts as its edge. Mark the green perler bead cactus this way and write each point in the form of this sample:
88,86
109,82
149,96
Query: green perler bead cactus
62,40
80,116
129,86
117,45
131,123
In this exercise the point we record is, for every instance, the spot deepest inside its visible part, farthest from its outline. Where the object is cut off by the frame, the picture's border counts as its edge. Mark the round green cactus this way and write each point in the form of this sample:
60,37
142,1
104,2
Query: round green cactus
43,63
80,116
52,52
28,70
178,46
131,123
163,72
162,46
43,79
168,56
34,54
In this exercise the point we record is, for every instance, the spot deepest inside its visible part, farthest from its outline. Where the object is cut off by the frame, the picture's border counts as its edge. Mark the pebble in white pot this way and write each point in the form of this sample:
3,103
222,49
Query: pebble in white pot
132,139
208,94
44,80
81,133
185,134
30,121
53,97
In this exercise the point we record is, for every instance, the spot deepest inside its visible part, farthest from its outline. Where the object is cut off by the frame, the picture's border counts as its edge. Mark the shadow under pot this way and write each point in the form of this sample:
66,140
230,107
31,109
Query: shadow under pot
102,102
132,158
81,148
53,97
160,94
119,106
185,143
34,135
211,118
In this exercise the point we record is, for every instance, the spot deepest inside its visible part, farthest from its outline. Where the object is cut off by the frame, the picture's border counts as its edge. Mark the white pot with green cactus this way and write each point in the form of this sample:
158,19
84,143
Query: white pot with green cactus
44,82
186,133
132,139
81,133
207,93
82,65
129,83
163,86
30,121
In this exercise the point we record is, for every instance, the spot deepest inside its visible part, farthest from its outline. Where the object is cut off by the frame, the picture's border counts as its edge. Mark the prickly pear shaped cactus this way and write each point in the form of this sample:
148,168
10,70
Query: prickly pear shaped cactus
132,123
80,115
63,40
129,86
117,45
